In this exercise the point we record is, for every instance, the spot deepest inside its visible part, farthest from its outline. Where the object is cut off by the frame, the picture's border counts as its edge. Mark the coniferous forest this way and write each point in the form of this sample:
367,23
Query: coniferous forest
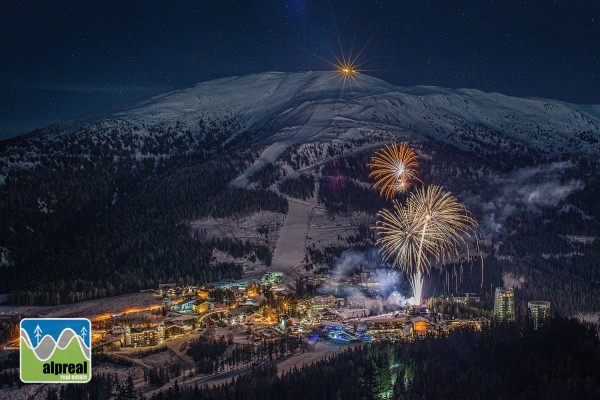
560,360
300,200
92,220
82,230
90,245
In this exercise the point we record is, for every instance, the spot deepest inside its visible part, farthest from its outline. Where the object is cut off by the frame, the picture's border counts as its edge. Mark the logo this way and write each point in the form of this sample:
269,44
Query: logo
56,350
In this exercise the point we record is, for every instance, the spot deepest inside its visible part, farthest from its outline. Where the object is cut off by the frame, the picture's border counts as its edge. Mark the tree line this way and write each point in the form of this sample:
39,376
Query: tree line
558,361
96,247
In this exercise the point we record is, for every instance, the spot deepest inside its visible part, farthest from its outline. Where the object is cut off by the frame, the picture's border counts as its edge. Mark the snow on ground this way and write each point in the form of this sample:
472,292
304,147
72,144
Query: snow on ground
568,208
272,102
35,391
260,228
320,120
579,239
334,231
4,257
291,244
593,318
251,270
321,351
244,228
308,225
546,256
89,308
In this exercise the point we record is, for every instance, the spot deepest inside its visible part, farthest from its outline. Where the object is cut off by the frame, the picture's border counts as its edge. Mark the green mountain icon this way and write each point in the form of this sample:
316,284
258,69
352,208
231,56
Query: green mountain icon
67,360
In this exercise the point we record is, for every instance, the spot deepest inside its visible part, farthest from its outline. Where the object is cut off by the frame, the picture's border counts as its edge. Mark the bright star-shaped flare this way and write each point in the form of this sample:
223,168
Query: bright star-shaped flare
346,66
346,72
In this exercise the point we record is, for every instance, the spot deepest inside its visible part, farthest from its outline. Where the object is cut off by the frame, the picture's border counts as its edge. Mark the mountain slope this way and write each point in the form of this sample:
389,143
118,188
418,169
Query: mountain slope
312,107
104,206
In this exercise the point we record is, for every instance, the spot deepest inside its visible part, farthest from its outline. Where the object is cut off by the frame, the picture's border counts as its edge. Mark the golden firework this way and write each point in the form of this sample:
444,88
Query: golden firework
394,169
401,238
430,227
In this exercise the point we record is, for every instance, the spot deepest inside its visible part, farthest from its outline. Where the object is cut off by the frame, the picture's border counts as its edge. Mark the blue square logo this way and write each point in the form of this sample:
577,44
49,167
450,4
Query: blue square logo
56,350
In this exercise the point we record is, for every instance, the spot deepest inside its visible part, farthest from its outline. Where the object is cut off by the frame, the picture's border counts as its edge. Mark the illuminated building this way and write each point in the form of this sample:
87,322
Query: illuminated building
420,325
327,315
201,307
175,331
363,277
119,330
467,298
539,312
464,323
355,302
272,278
504,304
322,302
186,306
166,288
389,325
143,338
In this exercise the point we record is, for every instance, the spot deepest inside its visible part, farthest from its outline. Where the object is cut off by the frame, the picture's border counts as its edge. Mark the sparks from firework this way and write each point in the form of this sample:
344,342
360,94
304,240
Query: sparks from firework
394,168
429,228
400,240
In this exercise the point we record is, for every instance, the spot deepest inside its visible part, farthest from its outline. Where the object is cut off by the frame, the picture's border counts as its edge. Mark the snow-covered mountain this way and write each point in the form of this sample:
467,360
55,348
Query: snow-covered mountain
275,111
138,196
281,105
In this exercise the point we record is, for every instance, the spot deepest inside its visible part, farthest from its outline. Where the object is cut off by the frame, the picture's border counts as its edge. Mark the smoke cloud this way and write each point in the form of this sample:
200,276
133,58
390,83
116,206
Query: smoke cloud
511,281
351,259
531,188
386,280
397,299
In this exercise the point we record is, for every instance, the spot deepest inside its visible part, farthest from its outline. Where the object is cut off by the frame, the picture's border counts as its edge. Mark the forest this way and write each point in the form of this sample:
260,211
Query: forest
509,361
547,249
560,360
89,245
92,221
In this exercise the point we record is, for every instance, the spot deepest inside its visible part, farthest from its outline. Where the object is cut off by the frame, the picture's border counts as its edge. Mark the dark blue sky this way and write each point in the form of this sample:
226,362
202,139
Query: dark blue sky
65,59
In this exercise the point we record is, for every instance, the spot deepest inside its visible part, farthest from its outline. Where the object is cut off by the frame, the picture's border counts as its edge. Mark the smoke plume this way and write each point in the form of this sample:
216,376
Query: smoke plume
531,188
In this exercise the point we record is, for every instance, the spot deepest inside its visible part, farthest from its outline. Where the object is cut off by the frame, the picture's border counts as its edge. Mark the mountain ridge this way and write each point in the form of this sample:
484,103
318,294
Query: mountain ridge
262,109
117,195
241,95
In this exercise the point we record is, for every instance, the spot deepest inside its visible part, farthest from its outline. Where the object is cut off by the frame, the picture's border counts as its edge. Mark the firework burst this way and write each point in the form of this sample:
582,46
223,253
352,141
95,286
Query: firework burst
442,219
394,169
429,228
401,238
347,66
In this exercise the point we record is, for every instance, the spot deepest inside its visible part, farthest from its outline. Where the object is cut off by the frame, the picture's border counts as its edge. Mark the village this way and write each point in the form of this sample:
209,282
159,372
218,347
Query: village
208,334
251,311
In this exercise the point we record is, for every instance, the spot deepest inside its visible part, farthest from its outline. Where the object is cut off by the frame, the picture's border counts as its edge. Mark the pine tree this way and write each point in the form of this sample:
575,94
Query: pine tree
51,394
127,391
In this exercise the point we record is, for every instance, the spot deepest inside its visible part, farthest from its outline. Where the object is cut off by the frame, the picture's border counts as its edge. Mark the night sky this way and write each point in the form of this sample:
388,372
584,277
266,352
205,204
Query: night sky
68,59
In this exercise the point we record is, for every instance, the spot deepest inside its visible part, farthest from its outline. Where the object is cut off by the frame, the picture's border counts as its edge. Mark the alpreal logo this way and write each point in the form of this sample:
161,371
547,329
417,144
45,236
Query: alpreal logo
56,350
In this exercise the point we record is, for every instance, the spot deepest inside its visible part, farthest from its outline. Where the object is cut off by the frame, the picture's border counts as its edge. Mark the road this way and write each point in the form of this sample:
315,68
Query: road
210,313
